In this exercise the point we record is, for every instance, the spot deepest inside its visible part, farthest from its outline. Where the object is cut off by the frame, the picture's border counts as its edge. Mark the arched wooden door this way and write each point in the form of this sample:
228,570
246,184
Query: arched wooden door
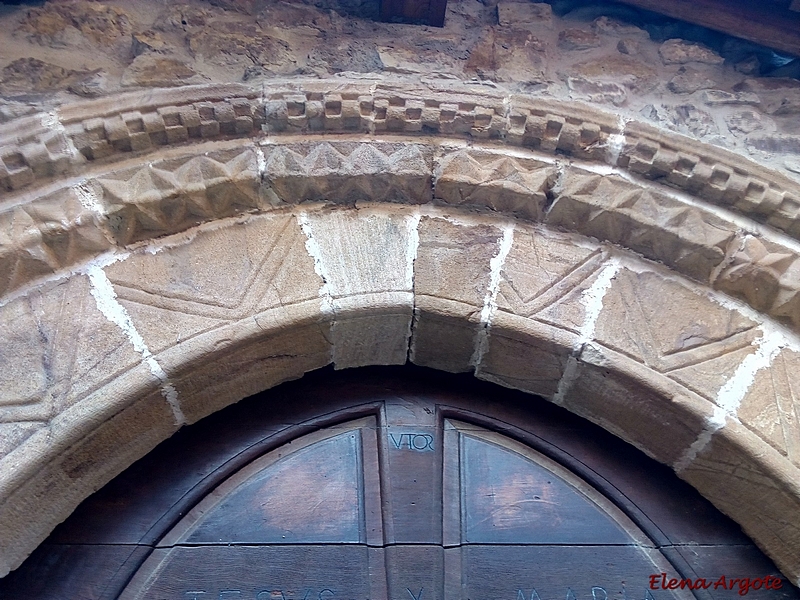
378,488
404,504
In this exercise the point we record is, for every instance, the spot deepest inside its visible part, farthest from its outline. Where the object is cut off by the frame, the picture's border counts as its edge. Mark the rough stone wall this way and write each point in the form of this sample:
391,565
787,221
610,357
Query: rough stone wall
611,56
494,196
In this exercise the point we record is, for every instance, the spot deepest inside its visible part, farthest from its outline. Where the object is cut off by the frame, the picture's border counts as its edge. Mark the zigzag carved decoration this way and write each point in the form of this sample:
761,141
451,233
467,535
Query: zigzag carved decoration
97,176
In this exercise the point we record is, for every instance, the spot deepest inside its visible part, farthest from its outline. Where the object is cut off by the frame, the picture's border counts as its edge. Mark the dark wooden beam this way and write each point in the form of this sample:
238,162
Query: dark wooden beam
767,24
436,12
423,12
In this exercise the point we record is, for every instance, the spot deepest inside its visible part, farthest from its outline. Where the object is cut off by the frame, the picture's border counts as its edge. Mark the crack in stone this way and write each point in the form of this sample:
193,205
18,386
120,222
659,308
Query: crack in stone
567,379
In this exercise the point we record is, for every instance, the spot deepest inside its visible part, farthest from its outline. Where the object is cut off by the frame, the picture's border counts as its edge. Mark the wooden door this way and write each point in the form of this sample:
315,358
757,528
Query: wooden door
394,484
406,505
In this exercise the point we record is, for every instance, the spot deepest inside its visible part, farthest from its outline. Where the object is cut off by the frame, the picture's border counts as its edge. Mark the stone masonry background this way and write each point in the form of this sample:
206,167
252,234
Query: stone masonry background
684,78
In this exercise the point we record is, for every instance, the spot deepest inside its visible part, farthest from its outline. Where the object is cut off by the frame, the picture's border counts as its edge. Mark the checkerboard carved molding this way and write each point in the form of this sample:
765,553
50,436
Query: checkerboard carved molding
61,143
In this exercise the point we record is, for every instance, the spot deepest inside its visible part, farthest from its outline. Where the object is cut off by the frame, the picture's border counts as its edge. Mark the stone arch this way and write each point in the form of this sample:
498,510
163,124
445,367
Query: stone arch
173,252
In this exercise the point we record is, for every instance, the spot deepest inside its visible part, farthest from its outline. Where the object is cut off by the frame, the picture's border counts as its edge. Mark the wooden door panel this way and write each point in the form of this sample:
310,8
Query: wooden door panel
563,572
506,498
308,572
292,523
391,488
522,518
314,495
415,572
411,472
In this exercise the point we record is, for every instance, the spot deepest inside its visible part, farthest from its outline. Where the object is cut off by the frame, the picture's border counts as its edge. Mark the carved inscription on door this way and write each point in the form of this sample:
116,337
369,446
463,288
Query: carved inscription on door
403,504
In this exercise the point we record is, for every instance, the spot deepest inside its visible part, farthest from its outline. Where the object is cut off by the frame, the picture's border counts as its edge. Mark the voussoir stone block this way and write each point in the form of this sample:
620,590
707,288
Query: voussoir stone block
525,354
220,367
349,172
507,184
452,273
192,295
58,348
23,376
366,257
45,235
544,276
770,407
713,174
754,485
660,227
649,410
646,317
766,274
34,147
218,276
13,435
171,195
121,422
551,126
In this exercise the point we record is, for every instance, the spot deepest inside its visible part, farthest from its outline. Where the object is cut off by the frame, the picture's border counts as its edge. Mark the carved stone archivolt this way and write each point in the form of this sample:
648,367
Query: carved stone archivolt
163,255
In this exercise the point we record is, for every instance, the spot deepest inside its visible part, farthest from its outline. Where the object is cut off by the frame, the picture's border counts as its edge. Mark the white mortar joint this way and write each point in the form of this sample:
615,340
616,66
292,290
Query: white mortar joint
616,141
88,198
107,303
109,258
489,309
315,252
51,120
592,301
730,396
261,161
640,265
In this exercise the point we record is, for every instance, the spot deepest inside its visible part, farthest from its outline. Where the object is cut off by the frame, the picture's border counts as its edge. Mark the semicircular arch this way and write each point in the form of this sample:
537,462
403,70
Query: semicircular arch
214,272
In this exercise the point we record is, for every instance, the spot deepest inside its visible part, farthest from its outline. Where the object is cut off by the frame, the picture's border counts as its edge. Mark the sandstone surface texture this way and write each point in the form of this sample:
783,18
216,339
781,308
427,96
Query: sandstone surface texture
201,200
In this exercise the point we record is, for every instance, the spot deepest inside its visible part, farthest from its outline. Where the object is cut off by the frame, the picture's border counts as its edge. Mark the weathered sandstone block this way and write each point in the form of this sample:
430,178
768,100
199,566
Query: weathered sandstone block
730,468
349,172
646,317
661,228
770,406
509,185
366,258
451,280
